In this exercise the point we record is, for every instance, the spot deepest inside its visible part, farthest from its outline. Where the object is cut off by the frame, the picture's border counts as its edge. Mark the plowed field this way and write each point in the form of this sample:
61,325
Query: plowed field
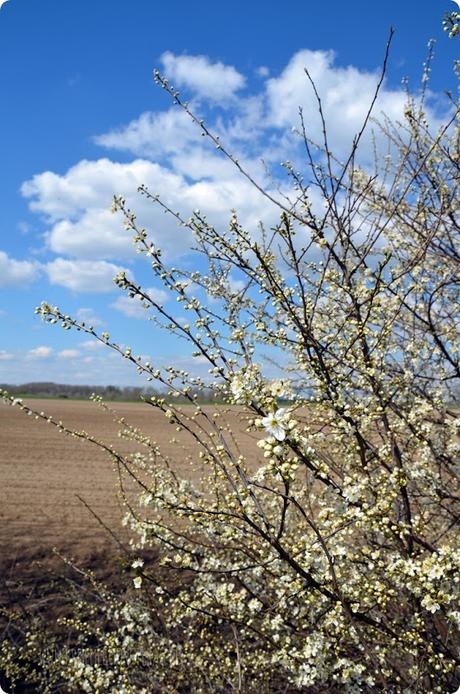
48,483
44,473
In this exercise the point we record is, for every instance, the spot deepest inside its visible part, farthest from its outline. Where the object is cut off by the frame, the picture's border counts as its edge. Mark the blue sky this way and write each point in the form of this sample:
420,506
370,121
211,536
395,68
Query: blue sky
81,119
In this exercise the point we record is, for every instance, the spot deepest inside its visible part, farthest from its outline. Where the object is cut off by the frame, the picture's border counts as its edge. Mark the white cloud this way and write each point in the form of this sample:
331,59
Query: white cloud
263,121
201,164
41,352
100,370
153,134
77,205
5,356
259,126
133,308
346,95
87,315
90,185
24,228
16,273
172,136
69,354
92,344
96,233
214,81
262,71
82,275
186,172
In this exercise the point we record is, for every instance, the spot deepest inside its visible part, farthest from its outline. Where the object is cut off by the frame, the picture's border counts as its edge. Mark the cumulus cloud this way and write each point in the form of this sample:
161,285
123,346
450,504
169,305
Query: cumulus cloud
82,275
152,134
77,205
346,94
173,137
133,308
41,352
92,232
213,81
180,166
97,232
263,121
84,186
16,273
260,126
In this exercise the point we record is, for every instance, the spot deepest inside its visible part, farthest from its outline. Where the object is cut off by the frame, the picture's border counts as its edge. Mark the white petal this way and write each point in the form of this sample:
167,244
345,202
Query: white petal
278,432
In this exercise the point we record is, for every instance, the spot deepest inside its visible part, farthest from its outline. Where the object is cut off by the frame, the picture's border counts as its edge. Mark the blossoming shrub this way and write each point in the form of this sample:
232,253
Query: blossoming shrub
331,563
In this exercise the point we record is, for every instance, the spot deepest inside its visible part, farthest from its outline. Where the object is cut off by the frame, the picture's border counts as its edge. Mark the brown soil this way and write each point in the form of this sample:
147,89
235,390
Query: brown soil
43,472
47,477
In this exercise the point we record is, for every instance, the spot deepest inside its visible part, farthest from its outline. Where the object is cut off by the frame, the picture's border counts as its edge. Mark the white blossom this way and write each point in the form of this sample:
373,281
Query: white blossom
276,424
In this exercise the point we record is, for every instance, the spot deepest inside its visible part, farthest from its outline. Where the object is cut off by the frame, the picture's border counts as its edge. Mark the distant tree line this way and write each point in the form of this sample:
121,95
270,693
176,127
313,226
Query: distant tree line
110,392
65,390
